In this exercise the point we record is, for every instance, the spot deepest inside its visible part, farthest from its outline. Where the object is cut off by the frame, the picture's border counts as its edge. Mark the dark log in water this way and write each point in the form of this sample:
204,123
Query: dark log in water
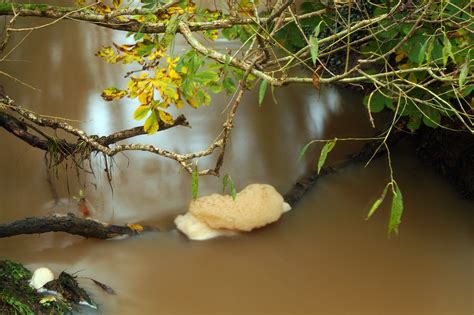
369,150
71,224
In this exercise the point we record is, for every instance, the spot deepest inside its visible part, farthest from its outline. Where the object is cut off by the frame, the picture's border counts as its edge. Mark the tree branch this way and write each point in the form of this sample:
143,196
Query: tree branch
69,223
129,25
21,130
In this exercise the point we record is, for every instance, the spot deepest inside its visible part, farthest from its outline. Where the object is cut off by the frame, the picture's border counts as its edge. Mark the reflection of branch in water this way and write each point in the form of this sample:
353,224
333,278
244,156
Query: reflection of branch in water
51,186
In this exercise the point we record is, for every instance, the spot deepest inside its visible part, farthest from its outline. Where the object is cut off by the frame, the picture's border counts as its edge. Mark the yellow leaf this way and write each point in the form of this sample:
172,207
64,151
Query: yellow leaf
404,66
80,3
136,227
174,75
129,58
146,96
102,8
192,102
190,8
163,104
212,35
179,103
400,56
143,98
108,54
157,54
112,94
175,10
166,117
172,62
117,3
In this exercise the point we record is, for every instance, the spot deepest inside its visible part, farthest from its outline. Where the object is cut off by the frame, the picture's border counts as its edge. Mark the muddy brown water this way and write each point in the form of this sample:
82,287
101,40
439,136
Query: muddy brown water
321,258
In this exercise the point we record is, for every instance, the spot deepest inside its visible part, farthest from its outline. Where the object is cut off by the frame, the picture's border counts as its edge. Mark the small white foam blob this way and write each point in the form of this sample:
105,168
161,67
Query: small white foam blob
41,276
197,230
286,207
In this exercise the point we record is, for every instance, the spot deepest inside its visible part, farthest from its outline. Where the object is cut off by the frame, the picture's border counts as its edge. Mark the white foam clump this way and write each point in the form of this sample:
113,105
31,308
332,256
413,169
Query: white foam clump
210,216
41,276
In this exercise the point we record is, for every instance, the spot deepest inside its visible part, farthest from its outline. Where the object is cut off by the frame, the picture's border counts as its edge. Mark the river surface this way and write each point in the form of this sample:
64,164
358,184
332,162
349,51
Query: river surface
321,258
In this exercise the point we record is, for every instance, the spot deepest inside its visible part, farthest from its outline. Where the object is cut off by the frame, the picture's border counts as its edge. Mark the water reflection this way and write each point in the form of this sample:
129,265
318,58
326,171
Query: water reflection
320,109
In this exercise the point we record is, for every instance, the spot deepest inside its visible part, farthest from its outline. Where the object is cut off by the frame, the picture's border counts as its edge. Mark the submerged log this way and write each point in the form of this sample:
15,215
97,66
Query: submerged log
371,149
69,223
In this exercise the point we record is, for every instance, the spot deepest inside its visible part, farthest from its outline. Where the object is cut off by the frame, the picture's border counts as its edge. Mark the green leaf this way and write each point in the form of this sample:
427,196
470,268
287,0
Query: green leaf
228,85
467,90
415,121
324,153
215,87
261,91
233,192
141,112
232,32
227,63
146,49
314,47
387,29
447,50
377,203
429,48
432,118
303,150
463,73
422,53
225,182
244,33
228,180
317,29
415,48
376,101
195,182
396,211
204,77
406,27
314,43
151,124
138,35
170,33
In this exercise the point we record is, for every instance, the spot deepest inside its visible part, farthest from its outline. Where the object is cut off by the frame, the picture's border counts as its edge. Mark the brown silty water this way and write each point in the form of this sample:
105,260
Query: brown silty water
321,258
